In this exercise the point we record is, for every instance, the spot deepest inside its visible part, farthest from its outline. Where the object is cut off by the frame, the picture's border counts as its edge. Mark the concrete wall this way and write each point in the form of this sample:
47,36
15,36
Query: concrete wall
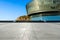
43,5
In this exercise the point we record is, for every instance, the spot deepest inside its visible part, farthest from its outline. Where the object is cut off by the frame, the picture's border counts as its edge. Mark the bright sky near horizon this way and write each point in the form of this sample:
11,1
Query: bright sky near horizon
11,9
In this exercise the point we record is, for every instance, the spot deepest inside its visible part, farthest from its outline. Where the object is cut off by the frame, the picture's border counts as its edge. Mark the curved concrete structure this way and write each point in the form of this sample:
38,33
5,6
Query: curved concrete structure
36,6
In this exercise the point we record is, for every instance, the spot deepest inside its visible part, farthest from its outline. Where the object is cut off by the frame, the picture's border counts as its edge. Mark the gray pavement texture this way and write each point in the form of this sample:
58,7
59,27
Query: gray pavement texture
29,31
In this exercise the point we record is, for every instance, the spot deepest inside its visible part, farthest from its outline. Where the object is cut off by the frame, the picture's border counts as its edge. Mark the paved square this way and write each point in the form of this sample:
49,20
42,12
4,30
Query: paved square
29,31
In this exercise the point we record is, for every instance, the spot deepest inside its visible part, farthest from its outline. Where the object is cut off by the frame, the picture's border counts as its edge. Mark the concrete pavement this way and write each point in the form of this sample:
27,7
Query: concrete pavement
29,31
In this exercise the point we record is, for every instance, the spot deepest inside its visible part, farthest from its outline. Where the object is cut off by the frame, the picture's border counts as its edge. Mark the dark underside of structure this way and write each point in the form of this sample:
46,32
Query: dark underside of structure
47,13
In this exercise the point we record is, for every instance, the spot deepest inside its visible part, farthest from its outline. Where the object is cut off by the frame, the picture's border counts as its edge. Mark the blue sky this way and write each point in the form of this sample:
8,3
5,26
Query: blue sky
11,9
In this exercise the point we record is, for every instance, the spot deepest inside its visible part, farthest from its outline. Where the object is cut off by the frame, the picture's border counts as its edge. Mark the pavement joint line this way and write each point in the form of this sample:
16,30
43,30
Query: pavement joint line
34,32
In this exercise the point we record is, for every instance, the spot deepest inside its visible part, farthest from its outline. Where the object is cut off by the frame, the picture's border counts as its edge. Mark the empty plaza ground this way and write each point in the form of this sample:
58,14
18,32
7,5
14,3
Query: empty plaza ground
29,31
